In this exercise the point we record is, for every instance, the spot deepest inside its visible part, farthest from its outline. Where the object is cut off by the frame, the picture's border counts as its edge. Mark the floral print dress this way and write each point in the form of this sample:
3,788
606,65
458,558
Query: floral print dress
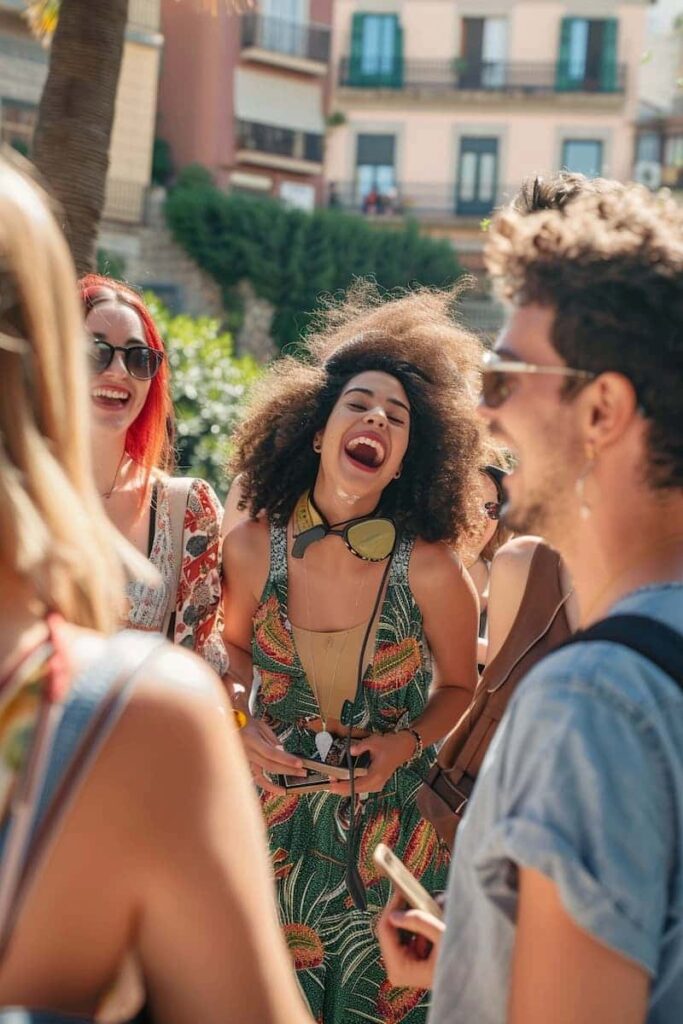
333,944
198,619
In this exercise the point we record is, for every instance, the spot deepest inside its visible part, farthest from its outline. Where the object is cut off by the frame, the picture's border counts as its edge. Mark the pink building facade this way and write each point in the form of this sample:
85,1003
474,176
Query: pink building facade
449,104
246,96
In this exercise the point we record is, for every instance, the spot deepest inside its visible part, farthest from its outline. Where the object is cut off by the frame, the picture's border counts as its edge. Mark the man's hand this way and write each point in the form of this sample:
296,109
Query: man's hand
266,754
388,751
403,964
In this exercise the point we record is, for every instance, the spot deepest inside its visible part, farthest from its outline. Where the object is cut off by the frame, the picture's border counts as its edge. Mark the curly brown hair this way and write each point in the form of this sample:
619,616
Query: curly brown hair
415,339
610,263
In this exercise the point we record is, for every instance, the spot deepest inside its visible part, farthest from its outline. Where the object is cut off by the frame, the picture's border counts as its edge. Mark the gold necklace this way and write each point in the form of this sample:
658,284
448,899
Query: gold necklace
324,738
107,494
633,564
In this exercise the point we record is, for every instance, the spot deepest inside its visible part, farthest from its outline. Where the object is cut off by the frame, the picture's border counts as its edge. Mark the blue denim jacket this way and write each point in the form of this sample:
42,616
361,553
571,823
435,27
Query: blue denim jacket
583,782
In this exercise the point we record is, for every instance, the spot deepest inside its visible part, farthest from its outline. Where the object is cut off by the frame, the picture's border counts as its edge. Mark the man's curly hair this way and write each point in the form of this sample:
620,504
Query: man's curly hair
609,262
415,339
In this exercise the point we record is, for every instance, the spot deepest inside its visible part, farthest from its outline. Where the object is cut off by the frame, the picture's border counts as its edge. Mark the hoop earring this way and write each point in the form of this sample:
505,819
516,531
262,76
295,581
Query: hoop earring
317,447
585,510
397,474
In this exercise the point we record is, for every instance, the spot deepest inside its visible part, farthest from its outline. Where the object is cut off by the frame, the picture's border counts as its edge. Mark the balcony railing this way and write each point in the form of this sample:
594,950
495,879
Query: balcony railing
292,38
429,201
270,138
459,75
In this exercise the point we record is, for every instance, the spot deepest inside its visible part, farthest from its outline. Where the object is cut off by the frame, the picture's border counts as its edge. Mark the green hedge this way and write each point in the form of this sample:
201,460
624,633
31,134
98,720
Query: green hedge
290,256
209,386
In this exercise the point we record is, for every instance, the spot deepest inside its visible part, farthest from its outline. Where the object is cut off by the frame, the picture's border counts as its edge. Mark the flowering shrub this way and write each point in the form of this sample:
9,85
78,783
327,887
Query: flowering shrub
209,384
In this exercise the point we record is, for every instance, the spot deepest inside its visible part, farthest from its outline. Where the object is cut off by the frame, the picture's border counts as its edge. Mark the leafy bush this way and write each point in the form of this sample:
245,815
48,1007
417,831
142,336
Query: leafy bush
209,385
290,256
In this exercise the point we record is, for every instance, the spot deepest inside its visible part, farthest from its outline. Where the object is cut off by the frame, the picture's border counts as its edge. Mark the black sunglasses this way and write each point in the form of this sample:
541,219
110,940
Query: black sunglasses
141,361
492,509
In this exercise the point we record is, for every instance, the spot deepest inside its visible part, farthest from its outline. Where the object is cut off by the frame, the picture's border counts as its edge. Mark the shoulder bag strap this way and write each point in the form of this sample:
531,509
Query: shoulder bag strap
178,490
654,640
33,824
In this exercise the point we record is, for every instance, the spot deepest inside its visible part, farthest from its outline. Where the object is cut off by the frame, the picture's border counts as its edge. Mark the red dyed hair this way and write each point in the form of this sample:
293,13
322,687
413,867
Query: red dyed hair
149,440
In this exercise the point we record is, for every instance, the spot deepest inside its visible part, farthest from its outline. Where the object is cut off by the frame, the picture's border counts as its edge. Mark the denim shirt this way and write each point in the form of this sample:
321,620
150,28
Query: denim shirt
584,783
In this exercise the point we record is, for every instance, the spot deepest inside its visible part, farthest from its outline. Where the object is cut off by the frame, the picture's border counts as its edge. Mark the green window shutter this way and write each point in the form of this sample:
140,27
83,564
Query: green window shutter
397,76
609,69
562,80
356,61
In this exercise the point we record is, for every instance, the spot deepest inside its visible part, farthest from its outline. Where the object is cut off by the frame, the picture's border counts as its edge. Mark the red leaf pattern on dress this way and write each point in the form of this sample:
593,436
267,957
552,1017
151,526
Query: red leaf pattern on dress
394,1004
277,808
382,828
305,946
421,849
395,666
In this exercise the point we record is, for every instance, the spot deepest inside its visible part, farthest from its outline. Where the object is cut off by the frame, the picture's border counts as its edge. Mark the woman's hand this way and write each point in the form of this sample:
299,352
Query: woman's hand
266,754
388,751
404,965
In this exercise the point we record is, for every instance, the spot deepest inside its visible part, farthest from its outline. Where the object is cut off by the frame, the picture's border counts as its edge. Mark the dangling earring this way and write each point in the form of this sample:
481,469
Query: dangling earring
585,510
317,445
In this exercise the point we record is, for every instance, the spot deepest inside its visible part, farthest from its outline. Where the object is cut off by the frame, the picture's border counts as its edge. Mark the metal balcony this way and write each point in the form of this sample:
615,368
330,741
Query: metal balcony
289,39
459,75
272,140
434,201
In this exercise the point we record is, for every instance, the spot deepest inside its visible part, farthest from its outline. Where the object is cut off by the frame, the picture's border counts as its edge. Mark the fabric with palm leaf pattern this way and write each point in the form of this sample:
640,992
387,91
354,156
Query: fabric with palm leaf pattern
332,944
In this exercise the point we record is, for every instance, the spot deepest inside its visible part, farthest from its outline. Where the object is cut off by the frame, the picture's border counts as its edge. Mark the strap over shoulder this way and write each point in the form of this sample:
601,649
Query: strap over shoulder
178,490
654,640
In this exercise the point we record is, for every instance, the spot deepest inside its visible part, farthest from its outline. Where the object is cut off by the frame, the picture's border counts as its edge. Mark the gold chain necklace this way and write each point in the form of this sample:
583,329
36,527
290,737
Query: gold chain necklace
107,494
324,738
633,564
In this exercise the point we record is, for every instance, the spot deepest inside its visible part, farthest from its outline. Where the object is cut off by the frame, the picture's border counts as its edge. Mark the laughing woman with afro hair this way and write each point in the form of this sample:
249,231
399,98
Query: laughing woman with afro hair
345,603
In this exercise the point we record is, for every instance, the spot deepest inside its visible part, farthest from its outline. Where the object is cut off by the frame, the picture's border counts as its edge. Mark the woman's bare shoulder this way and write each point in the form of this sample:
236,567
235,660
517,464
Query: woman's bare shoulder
516,555
247,543
435,565
167,675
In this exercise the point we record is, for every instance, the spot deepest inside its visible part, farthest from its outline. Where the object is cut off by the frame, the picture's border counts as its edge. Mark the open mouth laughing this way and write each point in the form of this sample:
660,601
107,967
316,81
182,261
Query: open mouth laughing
367,451
110,398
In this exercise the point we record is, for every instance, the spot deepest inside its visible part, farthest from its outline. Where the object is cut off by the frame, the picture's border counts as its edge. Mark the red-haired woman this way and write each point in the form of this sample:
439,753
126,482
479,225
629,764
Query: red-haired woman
175,522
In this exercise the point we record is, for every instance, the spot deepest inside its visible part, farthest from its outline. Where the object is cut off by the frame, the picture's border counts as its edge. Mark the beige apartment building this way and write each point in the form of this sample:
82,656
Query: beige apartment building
23,69
446,105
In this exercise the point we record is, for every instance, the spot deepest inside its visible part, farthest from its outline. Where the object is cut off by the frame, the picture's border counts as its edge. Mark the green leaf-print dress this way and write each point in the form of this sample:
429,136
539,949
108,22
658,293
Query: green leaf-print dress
333,945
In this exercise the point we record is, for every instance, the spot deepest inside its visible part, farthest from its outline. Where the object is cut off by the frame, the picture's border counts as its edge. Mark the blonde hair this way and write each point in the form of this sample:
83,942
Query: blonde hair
54,534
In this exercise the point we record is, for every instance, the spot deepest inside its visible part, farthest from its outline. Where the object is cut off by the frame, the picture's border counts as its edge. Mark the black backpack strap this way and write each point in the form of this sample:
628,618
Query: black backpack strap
659,643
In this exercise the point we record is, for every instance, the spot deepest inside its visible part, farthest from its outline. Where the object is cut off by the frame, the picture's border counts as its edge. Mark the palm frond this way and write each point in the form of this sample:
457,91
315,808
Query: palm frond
42,17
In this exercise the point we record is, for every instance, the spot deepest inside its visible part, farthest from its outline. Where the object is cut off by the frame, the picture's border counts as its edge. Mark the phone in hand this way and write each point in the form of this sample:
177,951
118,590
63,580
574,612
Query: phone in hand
414,894
320,774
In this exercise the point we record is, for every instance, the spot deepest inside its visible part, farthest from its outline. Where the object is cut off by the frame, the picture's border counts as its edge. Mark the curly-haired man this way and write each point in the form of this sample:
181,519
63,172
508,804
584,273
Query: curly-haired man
566,891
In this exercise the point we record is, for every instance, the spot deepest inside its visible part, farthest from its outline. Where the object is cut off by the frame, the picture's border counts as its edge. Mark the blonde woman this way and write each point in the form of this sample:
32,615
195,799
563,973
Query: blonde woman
124,867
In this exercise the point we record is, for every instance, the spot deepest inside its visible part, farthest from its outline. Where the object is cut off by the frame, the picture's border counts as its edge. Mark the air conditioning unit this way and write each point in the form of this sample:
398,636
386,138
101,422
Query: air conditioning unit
648,173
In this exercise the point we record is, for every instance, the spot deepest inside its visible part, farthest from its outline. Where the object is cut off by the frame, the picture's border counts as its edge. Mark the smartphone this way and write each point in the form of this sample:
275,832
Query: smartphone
321,775
415,895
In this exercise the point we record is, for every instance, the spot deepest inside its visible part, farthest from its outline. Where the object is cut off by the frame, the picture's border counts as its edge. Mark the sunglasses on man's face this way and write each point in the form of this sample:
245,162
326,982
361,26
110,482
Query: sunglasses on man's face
141,361
499,377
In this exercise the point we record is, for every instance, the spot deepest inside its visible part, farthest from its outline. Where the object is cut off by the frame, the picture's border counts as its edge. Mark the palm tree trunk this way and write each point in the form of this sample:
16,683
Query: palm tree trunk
71,146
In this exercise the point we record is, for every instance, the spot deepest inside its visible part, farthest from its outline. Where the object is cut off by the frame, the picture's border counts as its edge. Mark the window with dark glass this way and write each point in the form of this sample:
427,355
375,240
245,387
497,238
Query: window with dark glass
477,184
375,167
376,51
587,58
483,53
